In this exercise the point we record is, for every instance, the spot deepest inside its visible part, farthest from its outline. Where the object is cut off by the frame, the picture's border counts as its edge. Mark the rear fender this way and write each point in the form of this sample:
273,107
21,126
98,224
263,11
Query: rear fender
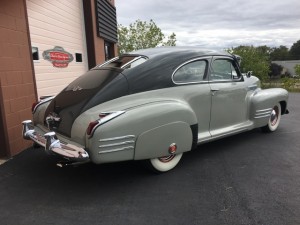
157,141
39,111
143,132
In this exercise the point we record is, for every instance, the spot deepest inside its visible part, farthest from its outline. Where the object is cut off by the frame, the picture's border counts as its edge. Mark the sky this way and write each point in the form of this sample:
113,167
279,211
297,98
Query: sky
218,24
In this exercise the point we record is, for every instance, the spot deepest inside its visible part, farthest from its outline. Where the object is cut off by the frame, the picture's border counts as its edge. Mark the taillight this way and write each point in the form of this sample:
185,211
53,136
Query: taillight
91,127
104,117
33,106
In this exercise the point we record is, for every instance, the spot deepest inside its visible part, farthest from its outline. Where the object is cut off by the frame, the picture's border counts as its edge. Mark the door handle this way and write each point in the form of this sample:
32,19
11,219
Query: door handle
214,91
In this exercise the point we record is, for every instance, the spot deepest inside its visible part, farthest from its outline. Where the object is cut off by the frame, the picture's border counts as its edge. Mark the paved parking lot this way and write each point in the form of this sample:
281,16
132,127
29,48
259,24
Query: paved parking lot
251,178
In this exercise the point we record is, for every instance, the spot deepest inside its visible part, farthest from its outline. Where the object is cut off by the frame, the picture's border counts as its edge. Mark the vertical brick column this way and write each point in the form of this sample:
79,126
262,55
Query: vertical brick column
17,82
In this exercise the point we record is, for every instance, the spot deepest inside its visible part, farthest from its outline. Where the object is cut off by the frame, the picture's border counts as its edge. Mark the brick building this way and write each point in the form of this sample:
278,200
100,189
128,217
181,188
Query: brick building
43,46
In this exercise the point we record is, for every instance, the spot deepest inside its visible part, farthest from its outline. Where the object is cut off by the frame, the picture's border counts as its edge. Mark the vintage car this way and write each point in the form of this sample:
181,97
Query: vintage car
153,105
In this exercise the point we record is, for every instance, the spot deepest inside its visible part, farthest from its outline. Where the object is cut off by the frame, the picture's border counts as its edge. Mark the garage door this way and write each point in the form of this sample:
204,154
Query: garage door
58,43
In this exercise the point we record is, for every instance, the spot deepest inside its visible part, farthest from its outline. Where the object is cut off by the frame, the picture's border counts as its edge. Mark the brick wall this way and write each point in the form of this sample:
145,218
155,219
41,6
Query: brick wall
17,83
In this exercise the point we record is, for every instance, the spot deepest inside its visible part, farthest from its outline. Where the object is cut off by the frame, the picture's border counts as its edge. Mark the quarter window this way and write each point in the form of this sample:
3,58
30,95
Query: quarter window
223,69
125,62
191,72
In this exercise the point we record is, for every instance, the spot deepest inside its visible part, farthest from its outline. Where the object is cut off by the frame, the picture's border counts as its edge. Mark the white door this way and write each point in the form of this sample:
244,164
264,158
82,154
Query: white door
58,39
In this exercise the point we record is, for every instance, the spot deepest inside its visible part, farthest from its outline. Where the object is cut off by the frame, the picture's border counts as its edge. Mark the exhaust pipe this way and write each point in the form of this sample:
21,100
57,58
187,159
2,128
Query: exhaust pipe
69,163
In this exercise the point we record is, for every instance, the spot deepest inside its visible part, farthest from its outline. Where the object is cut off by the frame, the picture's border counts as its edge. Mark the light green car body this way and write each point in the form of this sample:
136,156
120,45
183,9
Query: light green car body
153,120
184,115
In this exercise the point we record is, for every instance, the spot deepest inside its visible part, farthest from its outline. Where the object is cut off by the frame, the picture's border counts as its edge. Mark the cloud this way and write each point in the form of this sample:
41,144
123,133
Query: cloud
217,24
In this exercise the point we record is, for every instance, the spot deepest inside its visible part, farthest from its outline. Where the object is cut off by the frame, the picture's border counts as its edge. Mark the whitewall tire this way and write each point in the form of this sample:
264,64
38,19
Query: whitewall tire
164,164
274,119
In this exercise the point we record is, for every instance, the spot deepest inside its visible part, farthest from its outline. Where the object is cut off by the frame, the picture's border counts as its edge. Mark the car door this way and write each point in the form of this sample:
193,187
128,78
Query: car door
192,80
229,105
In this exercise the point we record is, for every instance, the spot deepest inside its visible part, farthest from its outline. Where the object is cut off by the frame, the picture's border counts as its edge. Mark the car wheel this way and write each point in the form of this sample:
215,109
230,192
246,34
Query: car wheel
164,164
274,119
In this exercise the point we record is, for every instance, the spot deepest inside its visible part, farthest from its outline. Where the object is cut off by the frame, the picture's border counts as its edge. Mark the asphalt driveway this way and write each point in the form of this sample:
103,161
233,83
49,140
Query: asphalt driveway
251,178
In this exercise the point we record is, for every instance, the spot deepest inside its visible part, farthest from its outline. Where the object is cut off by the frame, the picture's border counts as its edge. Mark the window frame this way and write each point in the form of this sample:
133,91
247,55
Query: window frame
135,58
234,64
205,77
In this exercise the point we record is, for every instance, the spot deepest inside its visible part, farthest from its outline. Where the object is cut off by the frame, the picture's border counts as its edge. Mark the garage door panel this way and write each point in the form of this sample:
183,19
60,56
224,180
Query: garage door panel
61,24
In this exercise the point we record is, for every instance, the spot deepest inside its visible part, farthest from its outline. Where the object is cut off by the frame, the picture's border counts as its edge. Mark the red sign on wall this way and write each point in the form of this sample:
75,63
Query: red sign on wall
58,57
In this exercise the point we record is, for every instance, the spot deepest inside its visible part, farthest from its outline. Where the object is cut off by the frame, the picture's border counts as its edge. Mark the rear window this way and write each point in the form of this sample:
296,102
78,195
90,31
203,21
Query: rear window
125,62
92,79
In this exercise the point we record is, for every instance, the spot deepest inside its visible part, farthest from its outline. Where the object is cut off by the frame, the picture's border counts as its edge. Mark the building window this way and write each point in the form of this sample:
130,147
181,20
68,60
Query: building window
78,57
35,53
109,50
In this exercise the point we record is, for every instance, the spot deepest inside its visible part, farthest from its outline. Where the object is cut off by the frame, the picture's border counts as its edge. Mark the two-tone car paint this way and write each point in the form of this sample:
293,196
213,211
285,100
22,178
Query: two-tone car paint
156,111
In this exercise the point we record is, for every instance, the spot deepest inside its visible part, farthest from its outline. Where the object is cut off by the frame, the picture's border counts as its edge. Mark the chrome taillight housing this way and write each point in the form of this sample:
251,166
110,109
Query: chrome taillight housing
35,105
104,117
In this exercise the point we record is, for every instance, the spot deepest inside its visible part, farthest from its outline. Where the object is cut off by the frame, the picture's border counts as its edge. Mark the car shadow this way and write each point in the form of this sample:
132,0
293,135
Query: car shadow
38,172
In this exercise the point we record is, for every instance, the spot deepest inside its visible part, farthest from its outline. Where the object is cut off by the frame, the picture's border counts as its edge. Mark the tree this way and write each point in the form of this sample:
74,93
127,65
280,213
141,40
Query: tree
295,51
253,59
141,35
275,69
281,53
297,69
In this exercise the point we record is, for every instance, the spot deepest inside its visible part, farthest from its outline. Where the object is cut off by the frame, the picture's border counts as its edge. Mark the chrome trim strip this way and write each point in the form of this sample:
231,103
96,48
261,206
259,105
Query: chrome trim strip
218,136
116,150
263,110
103,64
111,116
262,113
135,59
116,144
117,138
42,102
258,117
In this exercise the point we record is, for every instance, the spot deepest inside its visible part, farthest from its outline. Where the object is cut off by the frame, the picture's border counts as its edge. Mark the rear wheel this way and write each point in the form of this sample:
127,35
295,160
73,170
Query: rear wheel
274,119
164,164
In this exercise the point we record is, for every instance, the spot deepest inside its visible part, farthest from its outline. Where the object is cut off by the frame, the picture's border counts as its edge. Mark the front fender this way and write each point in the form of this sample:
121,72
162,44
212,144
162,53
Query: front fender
262,103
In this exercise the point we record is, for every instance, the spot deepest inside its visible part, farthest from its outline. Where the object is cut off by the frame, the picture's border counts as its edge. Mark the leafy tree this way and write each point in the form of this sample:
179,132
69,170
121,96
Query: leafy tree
295,51
253,59
141,35
297,69
281,53
264,50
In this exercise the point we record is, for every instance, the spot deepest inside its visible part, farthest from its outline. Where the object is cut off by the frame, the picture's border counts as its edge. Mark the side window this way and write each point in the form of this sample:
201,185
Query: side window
190,72
223,69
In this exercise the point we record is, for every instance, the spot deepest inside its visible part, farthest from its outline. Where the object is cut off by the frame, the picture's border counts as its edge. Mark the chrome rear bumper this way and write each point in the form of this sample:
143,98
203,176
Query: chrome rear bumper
53,145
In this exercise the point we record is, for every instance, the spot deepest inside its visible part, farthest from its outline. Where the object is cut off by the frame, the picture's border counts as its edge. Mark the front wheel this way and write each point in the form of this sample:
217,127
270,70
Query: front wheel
274,119
164,164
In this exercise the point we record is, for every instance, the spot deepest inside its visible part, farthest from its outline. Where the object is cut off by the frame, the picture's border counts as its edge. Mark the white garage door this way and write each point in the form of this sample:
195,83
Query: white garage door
58,43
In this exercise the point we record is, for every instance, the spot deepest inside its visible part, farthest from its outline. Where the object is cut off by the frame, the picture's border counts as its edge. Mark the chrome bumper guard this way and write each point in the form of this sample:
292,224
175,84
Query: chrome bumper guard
53,145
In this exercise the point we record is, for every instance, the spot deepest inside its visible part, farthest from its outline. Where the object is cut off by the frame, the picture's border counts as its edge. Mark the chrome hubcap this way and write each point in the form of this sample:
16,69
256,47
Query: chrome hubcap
274,116
166,159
